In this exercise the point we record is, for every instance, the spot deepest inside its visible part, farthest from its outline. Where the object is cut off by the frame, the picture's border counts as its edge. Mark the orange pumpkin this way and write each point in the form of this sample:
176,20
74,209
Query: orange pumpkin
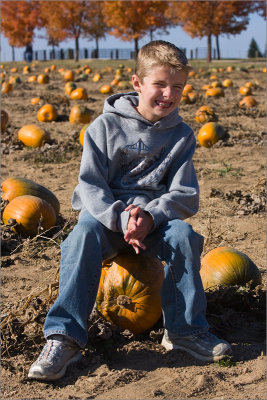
209,134
227,266
15,187
215,92
4,120
43,78
82,133
244,90
26,69
188,88
32,79
47,113
6,87
79,94
79,115
33,136
31,213
96,77
205,114
69,87
69,75
248,101
215,84
105,89
129,292
35,100
227,83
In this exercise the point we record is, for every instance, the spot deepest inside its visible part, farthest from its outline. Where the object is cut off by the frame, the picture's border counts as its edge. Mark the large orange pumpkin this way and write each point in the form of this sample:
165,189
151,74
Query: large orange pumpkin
33,136
210,133
227,266
15,187
69,75
129,292
215,92
43,78
47,113
248,101
82,133
6,87
79,94
79,115
31,213
69,87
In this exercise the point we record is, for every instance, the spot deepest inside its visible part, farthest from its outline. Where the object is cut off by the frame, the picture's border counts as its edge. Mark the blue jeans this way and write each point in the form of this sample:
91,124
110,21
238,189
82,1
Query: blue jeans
82,253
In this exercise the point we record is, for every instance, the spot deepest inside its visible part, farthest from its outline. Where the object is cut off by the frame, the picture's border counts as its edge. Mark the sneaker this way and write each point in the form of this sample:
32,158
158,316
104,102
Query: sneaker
57,354
204,346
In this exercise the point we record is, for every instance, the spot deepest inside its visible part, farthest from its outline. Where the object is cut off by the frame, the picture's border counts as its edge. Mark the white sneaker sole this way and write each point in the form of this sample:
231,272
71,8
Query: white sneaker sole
170,346
37,373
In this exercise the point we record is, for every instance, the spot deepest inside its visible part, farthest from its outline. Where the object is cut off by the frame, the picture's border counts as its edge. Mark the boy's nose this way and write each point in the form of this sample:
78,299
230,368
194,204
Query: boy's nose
168,93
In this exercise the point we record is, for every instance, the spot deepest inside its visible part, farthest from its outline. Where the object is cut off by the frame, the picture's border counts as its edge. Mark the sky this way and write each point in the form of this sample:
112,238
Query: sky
230,47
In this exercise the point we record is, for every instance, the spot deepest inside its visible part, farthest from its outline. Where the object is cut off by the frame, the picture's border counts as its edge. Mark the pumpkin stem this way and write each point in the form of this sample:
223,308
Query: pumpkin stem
122,300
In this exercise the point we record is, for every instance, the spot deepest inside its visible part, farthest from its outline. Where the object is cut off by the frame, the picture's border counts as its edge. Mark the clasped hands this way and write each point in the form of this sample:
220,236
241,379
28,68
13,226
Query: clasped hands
139,226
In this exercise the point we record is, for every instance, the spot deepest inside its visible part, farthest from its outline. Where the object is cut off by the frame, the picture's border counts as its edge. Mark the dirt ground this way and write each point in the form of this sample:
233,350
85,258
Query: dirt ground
232,213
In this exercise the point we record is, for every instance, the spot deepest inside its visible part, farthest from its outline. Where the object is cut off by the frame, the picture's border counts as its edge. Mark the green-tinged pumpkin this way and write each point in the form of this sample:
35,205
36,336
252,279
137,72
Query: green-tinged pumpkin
31,213
227,266
129,292
14,187
210,133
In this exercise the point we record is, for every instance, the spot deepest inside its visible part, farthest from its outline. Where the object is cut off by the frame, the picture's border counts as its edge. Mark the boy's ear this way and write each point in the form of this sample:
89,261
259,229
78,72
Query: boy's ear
136,83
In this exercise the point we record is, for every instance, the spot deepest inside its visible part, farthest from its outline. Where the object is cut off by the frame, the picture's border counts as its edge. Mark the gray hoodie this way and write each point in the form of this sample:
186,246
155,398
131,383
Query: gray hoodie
128,160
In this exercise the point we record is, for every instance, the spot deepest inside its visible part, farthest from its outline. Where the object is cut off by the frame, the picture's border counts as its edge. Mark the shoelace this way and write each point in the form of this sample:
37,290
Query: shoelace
50,349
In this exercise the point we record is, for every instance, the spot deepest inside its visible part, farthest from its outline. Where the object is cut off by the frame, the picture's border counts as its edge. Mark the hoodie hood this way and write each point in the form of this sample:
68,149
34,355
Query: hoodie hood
124,104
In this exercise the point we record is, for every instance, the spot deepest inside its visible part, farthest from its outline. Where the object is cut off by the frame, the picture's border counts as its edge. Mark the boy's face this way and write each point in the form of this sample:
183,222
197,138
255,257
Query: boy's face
160,92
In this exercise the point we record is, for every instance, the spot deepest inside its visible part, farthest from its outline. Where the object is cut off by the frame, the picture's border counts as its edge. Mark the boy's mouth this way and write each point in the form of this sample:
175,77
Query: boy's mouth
163,104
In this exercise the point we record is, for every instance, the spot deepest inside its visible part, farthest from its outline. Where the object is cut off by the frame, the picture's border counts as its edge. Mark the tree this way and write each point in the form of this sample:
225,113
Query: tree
132,20
207,18
18,21
77,19
254,50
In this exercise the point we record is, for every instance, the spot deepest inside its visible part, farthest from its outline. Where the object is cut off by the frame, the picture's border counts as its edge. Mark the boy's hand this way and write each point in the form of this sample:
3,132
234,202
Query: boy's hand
139,226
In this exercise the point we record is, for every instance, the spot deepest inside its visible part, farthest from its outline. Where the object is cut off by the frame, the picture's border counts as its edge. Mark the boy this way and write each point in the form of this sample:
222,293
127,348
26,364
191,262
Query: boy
137,184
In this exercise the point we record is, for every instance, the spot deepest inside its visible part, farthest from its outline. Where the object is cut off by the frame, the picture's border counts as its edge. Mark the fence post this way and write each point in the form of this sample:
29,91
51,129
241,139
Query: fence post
36,55
191,54
85,53
44,54
61,54
196,53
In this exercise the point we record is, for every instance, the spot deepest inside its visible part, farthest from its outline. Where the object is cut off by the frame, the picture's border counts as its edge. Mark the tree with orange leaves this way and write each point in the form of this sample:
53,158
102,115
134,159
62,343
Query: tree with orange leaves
132,20
207,18
18,21
77,19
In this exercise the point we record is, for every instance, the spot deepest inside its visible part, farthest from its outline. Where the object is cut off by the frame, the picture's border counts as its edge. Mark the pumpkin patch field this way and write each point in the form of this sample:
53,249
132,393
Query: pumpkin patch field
44,114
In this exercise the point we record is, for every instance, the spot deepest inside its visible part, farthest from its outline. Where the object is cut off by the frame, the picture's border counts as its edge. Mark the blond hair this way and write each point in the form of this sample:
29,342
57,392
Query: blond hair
160,53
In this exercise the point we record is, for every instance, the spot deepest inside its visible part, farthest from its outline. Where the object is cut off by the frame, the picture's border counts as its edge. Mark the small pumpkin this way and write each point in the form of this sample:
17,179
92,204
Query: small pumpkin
245,90
43,79
248,101
69,87
105,89
79,115
82,133
215,92
216,84
79,94
227,83
96,77
7,87
15,187
210,133
31,213
227,266
35,100
26,69
47,113
4,120
32,78
188,88
33,136
69,75
205,114
129,292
